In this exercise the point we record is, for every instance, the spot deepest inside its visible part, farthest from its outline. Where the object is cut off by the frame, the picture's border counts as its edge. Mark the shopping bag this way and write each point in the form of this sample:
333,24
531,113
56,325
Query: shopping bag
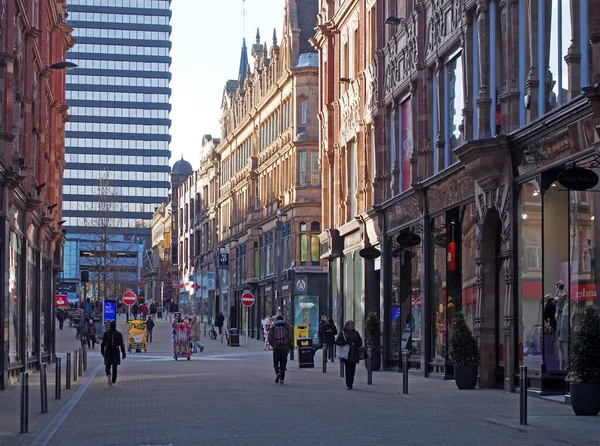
344,351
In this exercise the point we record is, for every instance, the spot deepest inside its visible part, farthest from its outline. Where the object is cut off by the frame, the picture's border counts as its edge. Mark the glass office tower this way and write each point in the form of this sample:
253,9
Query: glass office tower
117,141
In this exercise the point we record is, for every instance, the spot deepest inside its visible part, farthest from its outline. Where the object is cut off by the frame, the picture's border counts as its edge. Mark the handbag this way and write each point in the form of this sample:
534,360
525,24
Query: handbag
362,353
344,350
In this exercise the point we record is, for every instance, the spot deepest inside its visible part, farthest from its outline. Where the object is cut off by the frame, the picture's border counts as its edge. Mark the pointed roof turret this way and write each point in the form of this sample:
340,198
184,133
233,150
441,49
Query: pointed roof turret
243,64
274,36
257,35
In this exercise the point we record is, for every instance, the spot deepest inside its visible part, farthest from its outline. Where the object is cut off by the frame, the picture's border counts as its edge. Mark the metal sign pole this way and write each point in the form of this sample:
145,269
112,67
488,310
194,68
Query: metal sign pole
247,326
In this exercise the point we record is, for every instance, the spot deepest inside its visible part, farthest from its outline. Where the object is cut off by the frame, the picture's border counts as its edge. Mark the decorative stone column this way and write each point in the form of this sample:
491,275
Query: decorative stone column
484,101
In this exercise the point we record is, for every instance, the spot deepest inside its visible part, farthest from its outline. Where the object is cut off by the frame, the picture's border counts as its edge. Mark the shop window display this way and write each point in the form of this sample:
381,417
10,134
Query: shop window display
407,300
469,247
557,269
447,286
14,273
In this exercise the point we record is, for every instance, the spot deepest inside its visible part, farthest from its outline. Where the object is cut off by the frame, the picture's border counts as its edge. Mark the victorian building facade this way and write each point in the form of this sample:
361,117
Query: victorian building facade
255,201
34,38
480,113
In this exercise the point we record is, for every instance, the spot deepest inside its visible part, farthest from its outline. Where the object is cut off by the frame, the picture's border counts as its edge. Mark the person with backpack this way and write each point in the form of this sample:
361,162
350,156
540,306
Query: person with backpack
281,342
112,341
350,339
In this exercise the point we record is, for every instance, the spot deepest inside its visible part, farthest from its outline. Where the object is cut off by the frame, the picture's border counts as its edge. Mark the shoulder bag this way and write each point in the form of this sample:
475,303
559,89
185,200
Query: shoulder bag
344,349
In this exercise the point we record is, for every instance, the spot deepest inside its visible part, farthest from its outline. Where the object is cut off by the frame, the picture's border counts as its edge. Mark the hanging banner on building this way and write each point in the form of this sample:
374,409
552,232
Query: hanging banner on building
211,281
407,144
224,260
60,300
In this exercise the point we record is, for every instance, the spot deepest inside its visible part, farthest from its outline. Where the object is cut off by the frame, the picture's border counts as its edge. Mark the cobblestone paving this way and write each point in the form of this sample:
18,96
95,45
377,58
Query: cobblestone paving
227,396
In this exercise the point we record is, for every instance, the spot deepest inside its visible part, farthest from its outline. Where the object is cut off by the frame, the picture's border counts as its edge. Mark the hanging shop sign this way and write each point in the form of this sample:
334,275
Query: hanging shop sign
578,178
224,260
408,239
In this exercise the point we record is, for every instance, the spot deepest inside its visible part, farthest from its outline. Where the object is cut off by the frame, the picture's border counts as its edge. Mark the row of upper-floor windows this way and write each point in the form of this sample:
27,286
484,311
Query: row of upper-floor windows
117,128
131,50
103,17
112,222
236,161
119,112
146,4
561,60
117,80
277,123
124,175
117,191
117,96
120,34
116,206
89,158
115,144
122,65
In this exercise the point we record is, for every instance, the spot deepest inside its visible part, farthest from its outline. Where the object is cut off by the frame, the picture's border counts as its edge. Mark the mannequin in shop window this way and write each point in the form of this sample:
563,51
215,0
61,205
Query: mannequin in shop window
550,314
562,318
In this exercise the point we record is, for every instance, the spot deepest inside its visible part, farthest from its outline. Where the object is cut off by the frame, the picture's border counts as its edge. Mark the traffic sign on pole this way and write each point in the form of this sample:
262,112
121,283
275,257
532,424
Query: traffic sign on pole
248,299
129,298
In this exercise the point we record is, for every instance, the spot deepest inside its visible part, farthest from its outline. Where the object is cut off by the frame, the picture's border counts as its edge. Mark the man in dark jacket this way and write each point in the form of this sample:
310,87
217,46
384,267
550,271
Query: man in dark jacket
280,340
149,327
219,321
328,332
112,341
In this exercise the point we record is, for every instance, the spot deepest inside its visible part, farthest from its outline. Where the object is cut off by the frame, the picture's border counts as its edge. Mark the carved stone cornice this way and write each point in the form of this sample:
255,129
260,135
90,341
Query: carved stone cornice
484,160
12,179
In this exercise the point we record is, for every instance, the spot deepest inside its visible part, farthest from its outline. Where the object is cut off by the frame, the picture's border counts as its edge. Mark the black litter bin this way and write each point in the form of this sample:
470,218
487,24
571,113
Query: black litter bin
159,314
234,337
305,353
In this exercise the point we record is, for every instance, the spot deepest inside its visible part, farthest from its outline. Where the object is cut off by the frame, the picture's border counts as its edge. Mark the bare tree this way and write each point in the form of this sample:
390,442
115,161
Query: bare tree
109,256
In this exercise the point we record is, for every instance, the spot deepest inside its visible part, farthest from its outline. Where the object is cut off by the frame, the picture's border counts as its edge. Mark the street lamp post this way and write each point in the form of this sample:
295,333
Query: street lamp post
279,260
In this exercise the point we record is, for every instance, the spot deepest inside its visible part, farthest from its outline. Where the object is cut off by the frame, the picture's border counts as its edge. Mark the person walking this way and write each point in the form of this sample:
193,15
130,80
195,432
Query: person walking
112,341
328,332
145,311
91,332
350,337
60,315
149,327
219,321
281,342
196,335
135,310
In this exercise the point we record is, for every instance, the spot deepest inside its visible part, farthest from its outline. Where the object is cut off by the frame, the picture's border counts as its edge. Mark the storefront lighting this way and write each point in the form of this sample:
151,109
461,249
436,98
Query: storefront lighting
524,216
536,192
593,217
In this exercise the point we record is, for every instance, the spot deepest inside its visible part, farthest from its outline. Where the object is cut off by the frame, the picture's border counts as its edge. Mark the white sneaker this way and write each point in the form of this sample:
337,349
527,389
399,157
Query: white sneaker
114,384
109,379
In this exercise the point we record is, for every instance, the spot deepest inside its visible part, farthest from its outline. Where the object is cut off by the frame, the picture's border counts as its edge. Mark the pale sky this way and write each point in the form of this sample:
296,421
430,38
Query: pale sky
207,40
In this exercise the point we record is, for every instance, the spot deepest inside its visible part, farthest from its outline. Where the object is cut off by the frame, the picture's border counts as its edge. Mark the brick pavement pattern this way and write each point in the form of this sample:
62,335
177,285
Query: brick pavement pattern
227,396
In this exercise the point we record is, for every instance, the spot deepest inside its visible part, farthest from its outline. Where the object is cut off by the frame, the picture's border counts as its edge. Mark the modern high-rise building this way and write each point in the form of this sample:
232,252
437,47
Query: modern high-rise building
117,140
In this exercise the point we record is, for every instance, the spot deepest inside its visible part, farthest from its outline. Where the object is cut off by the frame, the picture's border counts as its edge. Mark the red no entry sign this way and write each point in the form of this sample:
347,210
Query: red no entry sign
129,298
248,299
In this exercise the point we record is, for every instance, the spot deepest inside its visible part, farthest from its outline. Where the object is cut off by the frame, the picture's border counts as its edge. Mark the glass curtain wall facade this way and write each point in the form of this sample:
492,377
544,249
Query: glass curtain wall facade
118,136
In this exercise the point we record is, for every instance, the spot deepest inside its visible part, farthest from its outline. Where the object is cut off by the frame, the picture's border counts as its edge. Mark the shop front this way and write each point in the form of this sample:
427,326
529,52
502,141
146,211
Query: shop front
558,252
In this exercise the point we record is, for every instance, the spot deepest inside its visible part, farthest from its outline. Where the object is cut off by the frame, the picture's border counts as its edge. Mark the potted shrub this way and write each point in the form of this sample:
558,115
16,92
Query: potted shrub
373,339
585,365
463,351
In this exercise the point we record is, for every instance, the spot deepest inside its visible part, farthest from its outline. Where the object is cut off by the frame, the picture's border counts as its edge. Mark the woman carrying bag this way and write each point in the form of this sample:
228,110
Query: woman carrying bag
349,341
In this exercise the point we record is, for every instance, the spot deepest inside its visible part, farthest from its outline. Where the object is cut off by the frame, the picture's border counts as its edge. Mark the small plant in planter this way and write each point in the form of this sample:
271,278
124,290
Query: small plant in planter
585,364
463,352
373,339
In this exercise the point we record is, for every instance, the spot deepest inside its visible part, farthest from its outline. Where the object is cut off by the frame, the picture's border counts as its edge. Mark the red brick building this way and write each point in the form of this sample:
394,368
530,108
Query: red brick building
446,127
33,36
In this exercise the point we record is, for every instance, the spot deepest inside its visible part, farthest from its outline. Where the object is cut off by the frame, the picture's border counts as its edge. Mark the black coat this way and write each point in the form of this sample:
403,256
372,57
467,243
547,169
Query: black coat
328,332
220,320
353,338
112,341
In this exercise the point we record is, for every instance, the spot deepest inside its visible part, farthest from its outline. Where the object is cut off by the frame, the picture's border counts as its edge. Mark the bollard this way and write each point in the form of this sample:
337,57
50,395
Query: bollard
57,383
292,354
324,358
369,368
222,336
341,369
523,396
80,362
44,387
75,364
85,353
404,373
68,372
205,330
24,402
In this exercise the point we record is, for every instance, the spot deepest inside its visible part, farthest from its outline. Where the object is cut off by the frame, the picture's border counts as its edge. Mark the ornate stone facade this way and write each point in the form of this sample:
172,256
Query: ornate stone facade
32,121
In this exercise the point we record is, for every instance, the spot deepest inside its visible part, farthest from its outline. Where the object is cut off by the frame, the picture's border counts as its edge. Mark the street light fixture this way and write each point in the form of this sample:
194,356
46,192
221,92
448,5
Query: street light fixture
279,235
62,66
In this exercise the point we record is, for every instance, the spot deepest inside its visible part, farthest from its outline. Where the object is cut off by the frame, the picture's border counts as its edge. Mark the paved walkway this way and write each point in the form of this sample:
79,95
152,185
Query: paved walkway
227,395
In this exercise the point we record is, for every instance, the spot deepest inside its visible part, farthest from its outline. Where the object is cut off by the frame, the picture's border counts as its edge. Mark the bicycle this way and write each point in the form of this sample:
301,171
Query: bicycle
212,333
